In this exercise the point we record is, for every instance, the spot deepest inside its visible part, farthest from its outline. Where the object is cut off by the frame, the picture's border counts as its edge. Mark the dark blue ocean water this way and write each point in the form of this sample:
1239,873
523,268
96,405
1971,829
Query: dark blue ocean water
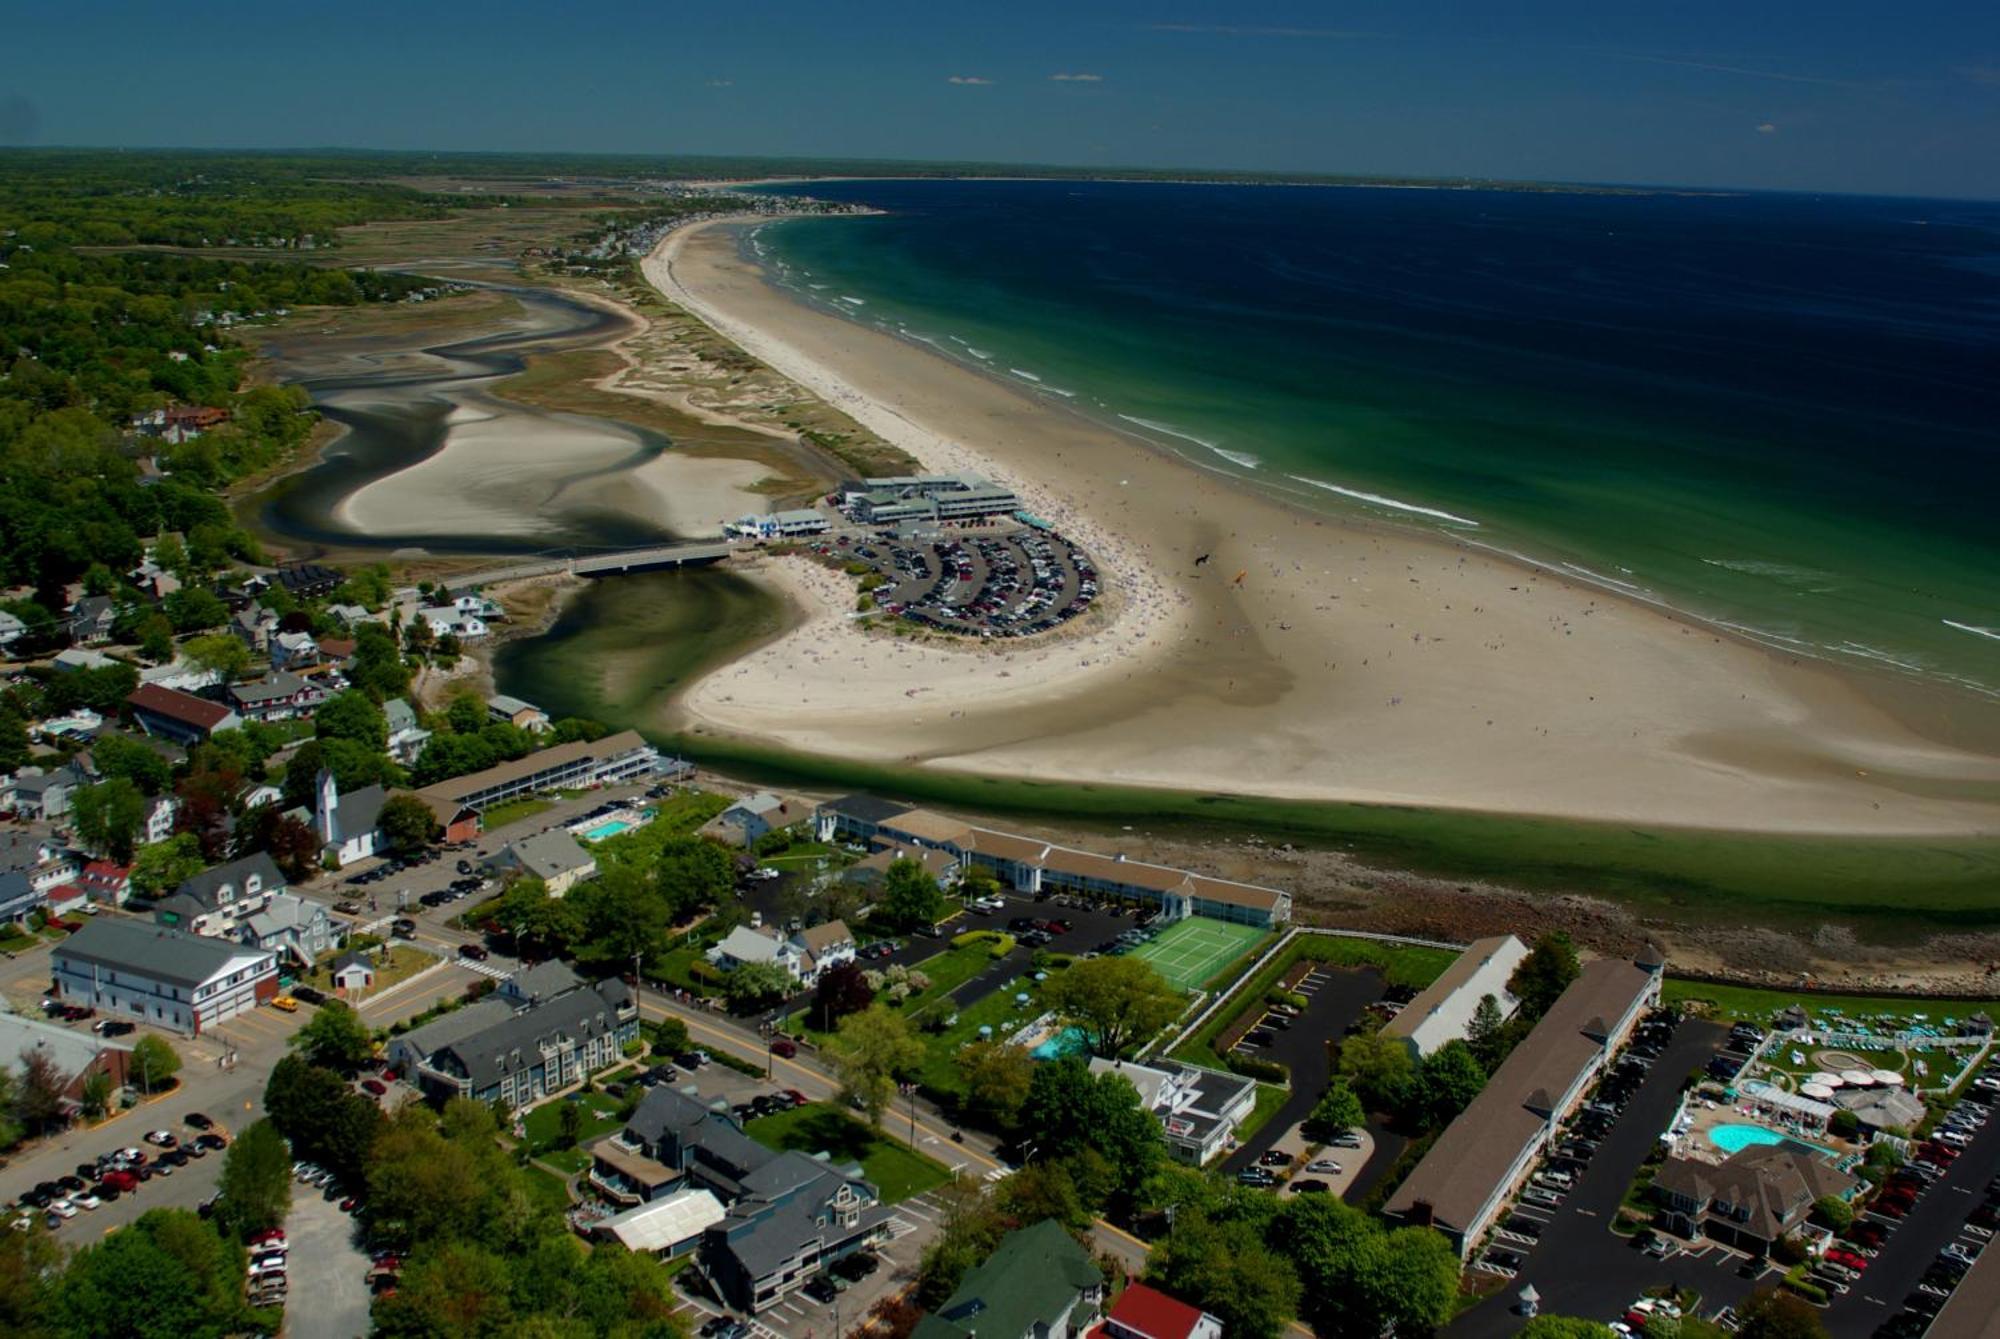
1780,412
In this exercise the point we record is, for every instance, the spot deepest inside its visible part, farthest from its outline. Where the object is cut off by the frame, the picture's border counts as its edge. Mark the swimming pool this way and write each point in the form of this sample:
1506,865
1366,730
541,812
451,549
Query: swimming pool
610,827
1736,1138
1069,1041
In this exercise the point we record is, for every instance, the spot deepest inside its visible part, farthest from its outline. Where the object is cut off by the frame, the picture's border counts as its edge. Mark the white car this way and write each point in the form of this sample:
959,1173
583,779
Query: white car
63,1207
266,1266
1326,1166
86,1201
162,1138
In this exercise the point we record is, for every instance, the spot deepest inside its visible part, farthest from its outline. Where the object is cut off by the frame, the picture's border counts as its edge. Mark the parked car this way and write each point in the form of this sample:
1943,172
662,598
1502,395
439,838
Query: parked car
472,951
285,1003
782,1047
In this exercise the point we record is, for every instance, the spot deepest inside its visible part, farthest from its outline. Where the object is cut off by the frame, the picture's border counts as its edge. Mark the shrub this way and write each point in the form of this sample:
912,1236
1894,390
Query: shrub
1266,1071
1002,946
634,1048
1291,997
1844,1124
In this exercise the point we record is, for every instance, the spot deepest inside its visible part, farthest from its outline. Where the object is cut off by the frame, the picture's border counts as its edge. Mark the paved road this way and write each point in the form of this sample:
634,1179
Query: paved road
327,1273
1581,1268
1334,998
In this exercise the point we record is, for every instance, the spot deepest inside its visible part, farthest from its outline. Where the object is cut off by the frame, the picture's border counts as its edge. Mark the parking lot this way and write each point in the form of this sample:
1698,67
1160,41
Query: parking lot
1566,1248
1007,583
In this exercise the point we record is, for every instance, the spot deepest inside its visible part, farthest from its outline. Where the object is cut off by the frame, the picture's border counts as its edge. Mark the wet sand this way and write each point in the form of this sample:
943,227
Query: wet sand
1349,662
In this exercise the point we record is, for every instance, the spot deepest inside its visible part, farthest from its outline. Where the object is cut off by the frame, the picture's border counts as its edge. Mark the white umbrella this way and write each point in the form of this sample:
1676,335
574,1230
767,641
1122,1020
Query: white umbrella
1824,1079
1817,1091
1858,1078
1888,1076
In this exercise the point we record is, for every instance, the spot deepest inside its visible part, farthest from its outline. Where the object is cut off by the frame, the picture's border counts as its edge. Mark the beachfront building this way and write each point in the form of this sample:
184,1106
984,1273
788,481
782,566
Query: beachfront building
1443,1011
752,818
153,974
1032,866
895,499
1199,1109
448,620
1483,1155
1038,1284
1756,1196
579,766
514,711
794,524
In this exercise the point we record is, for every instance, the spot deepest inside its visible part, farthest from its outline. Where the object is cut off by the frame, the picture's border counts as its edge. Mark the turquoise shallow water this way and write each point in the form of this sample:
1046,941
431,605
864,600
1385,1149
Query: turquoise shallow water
1781,413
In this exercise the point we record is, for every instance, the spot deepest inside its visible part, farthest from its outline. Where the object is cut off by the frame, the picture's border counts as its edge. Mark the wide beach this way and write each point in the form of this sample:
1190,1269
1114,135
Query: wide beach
1349,662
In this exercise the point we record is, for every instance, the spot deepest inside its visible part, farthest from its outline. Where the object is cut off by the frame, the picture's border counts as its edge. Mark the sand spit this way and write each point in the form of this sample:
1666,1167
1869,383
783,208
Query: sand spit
1348,661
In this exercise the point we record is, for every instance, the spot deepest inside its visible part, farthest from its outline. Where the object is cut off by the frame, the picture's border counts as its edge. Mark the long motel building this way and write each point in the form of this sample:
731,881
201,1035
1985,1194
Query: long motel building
1034,867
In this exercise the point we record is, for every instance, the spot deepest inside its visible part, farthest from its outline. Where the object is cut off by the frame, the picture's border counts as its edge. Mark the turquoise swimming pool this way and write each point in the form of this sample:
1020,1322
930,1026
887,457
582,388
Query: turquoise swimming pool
610,827
1736,1138
1070,1041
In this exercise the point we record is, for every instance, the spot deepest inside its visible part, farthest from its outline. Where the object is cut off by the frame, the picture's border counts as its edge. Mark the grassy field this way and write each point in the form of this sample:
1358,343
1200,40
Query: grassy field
896,1170
545,1129
1757,1006
547,1188
398,962
675,816
1192,951
1752,878
513,811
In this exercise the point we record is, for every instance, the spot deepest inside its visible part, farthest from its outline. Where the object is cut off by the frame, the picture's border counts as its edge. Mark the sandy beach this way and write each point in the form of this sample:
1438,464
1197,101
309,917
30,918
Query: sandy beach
1350,662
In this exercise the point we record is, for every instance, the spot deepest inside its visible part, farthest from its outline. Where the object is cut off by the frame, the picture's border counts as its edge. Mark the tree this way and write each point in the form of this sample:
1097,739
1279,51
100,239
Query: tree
220,652
1834,1212
1486,1034
542,926
30,1268
1771,1314
997,1078
1379,1068
408,823
1043,1190
154,1061
326,1121
693,872
353,716
335,1038
424,1186
968,1230
455,1288
1359,1279
38,1092
1337,1111
377,666
255,1191
754,984
1118,1002
121,756
1567,1327
670,1036
108,817
623,918
1069,1110
161,867
871,1052
910,897
841,991
1447,1081
167,1276
293,845
569,1124
1227,1270
96,1095
192,609
1544,974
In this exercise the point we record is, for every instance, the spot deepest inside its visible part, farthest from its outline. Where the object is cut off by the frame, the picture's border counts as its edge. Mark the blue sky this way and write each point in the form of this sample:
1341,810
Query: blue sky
1837,95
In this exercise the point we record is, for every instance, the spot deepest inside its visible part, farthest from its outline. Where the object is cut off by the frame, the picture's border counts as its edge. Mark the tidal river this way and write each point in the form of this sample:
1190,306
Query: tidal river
433,460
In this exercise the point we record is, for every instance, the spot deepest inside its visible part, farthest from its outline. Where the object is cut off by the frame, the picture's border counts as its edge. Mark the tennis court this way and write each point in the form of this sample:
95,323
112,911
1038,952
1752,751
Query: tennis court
1189,952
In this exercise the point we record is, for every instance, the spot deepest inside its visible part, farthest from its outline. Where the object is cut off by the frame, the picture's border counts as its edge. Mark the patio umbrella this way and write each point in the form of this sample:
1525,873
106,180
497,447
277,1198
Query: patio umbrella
1858,1078
1888,1076
1819,1092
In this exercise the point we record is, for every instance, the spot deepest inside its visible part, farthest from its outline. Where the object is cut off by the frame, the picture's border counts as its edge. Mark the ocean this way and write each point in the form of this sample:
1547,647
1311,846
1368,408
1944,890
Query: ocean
1780,413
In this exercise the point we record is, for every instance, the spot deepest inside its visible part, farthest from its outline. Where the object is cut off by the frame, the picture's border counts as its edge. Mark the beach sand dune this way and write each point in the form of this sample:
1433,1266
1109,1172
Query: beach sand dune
1351,662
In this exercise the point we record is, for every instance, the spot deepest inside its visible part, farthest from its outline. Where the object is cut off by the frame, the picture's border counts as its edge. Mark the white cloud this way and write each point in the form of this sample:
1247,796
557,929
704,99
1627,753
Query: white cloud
1768,128
967,79
1077,78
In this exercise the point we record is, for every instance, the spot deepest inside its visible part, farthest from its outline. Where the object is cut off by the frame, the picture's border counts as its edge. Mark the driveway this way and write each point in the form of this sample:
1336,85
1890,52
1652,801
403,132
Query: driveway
328,1274
1335,997
1580,1267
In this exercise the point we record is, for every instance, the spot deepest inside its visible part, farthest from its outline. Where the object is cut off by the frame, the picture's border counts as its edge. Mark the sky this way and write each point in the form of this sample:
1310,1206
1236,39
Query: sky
1835,95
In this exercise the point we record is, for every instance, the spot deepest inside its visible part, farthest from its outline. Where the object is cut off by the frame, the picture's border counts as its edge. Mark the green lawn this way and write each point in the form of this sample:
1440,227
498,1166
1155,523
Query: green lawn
1270,1097
1744,1002
997,1011
545,1132
513,811
547,1187
895,1169
675,816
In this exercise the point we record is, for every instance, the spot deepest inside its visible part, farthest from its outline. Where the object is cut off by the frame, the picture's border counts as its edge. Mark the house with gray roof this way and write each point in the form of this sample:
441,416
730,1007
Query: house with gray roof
46,795
163,976
348,825
90,620
554,857
753,817
73,1054
32,865
1198,1109
217,901
538,1051
406,736
415,1046
295,928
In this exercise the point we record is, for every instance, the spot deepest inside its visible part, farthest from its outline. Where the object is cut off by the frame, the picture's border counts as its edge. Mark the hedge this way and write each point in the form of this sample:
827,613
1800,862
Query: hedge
1255,1067
1003,944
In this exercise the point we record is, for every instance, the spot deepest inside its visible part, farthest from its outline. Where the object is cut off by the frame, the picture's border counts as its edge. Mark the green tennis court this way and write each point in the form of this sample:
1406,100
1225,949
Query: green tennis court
1189,952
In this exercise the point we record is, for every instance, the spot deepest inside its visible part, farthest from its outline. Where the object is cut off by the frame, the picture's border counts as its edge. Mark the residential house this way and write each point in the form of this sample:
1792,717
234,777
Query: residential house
1443,1011
1038,1284
354,615
353,973
181,717
186,982
307,581
78,658
19,898
348,824
12,630
406,736
788,1215
156,581
32,865
160,812
554,857
1756,1196
513,711
67,900
255,626
182,674
217,901
279,696
90,620
542,981
412,1048
295,928
106,882
337,651
538,1051
821,948
1143,1312
871,870
34,794
744,946
74,1054
1199,1109
446,621
294,651
753,817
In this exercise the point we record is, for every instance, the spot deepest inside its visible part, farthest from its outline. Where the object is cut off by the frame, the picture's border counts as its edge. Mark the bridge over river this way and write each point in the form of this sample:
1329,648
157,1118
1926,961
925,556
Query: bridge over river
611,563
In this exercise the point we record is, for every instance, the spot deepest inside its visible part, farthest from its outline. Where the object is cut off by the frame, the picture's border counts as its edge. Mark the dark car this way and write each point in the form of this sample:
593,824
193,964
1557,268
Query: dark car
784,1048
197,1121
1309,1186
307,995
404,928
472,951
691,1059
116,1027
857,1266
822,1288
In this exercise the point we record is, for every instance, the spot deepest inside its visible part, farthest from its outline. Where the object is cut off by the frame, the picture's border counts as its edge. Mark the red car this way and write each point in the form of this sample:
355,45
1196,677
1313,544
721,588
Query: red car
348,1205
276,1234
375,1086
798,1098
784,1048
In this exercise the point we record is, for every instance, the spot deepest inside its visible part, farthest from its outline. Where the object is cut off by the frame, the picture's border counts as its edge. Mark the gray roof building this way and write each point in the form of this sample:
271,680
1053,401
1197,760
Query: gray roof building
116,944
